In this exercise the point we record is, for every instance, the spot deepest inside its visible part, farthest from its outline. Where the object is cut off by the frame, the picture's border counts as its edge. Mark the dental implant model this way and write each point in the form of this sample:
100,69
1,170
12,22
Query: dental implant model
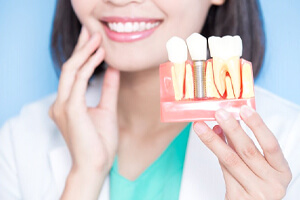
197,45
195,90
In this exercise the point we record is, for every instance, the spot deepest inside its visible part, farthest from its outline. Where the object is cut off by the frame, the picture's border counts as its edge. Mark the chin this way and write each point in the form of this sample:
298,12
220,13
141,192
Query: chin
133,62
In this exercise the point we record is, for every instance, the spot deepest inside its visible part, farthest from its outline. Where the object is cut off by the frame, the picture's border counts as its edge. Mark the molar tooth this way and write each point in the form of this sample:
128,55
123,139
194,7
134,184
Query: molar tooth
226,54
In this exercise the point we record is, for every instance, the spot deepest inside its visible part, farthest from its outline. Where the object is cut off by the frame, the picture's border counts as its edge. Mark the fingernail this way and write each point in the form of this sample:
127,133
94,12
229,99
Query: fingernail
222,114
218,130
246,111
200,128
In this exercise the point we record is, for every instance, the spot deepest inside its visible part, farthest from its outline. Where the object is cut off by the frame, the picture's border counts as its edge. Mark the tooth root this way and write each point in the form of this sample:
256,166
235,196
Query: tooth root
180,74
189,83
219,74
211,90
229,89
234,70
175,86
247,80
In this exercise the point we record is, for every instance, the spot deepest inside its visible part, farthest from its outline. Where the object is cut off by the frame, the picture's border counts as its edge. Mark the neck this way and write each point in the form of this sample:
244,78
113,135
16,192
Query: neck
139,99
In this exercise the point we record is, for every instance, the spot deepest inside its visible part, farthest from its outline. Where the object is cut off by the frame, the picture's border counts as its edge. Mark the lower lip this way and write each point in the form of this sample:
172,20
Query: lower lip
128,37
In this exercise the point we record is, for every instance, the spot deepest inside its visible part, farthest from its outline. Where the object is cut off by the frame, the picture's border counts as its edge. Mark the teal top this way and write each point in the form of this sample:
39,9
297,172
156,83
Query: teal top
161,180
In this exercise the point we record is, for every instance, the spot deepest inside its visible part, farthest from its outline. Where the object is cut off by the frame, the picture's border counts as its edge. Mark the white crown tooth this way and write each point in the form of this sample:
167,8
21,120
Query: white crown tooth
128,27
225,47
115,26
177,50
120,27
197,45
135,26
110,25
148,26
142,26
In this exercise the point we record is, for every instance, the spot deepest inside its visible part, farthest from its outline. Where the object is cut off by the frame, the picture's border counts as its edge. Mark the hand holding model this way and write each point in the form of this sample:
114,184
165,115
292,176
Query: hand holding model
248,174
91,134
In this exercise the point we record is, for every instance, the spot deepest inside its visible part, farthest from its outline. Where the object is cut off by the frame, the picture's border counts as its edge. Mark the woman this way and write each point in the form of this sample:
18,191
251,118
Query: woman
115,145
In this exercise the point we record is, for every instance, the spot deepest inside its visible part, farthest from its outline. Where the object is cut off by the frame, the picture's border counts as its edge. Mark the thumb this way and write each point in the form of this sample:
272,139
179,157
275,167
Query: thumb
110,90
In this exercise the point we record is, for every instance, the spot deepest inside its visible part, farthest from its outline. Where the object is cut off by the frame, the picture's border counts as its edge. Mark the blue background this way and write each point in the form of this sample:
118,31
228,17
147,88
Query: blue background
27,73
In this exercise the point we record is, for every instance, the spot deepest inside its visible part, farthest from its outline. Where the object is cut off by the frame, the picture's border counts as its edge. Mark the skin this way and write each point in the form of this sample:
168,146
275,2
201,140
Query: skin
115,126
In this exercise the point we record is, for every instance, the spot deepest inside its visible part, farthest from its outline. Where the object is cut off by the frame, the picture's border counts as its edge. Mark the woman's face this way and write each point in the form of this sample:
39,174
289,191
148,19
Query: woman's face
135,32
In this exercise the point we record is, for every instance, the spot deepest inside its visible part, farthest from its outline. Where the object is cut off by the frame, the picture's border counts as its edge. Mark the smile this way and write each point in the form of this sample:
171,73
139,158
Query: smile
129,29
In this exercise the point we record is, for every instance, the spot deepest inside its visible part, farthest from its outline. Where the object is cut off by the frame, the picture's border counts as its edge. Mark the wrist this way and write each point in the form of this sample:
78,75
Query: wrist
87,174
82,184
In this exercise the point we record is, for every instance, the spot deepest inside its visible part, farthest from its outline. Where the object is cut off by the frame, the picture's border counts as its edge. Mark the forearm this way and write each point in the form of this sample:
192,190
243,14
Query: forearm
83,185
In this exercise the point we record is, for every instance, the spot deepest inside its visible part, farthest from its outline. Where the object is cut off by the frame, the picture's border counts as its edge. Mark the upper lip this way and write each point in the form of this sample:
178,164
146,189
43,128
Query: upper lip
128,19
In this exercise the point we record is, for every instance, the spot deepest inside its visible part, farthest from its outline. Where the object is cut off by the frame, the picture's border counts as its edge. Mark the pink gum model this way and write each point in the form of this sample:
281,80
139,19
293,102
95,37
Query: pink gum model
195,109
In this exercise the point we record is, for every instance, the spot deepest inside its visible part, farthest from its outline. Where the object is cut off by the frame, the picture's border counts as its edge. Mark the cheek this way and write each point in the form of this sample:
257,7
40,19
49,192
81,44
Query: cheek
186,16
83,9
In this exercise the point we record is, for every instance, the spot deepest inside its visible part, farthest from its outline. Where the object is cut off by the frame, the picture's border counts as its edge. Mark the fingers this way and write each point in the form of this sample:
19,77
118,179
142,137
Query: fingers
77,96
82,39
242,144
234,188
71,67
265,138
110,90
233,163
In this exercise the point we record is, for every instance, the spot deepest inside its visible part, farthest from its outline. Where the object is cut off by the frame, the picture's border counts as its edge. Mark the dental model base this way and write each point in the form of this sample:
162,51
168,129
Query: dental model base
195,90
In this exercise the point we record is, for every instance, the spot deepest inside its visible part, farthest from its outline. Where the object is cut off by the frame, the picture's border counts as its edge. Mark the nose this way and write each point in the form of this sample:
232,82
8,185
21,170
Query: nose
122,2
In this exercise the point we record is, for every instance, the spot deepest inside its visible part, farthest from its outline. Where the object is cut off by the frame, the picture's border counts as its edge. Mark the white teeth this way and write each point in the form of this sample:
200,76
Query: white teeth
135,26
177,50
197,45
120,27
142,26
225,47
130,27
148,26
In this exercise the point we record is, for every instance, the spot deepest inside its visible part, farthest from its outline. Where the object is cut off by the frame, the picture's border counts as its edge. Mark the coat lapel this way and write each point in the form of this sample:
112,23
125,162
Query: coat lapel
202,176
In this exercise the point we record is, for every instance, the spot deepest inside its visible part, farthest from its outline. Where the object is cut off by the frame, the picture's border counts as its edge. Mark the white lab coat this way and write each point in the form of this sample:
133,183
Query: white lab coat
35,161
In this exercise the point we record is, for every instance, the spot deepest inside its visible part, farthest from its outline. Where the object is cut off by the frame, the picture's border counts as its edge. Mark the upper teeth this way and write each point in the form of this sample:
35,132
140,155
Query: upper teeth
129,27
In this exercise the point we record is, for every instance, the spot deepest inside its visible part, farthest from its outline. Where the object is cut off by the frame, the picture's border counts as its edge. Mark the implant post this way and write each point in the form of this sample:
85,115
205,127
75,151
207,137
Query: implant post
199,79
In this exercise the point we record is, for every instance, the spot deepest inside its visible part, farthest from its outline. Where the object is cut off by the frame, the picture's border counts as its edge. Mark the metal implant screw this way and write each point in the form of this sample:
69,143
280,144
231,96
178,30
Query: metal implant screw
199,79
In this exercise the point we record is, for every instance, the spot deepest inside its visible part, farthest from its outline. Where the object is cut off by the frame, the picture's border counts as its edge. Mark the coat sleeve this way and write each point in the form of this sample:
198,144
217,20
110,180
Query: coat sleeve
9,183
292,153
